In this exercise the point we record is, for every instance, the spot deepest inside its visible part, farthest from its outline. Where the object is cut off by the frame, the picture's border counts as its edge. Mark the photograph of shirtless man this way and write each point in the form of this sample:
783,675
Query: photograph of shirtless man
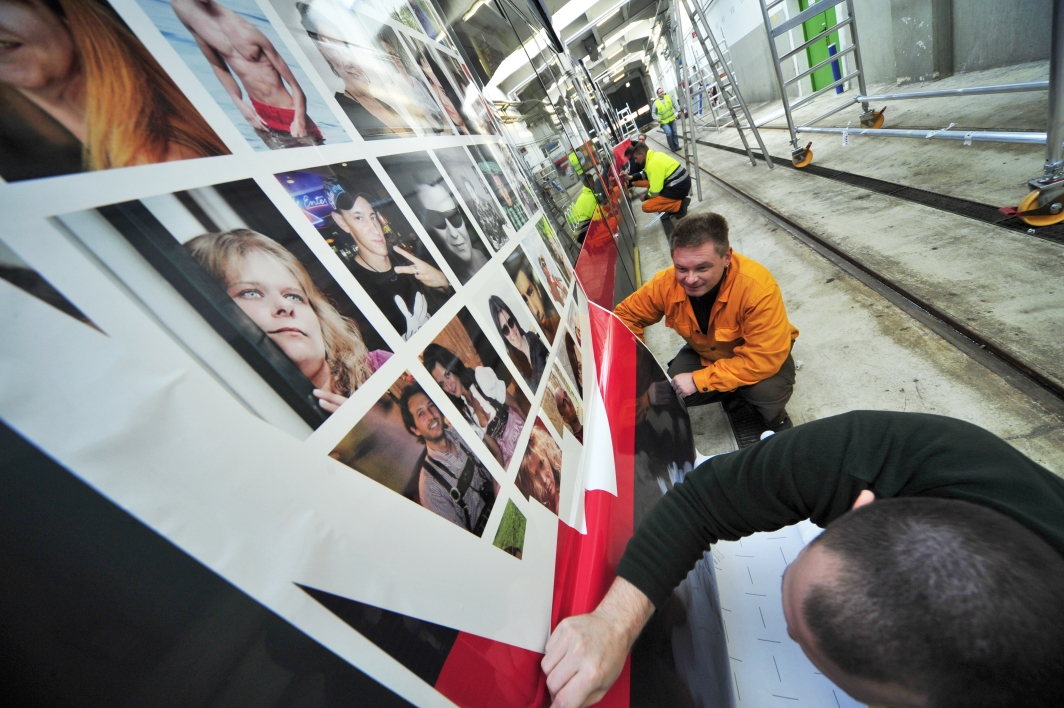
242,56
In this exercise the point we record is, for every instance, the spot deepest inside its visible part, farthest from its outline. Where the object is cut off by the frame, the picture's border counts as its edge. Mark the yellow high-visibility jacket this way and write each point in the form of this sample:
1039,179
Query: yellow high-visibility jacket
665,112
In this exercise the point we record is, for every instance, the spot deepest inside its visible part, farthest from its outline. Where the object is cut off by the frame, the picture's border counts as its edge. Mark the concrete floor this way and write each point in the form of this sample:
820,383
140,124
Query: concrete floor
859,351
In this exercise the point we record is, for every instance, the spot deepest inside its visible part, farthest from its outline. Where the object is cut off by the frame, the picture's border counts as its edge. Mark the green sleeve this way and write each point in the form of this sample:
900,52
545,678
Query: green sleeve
816,470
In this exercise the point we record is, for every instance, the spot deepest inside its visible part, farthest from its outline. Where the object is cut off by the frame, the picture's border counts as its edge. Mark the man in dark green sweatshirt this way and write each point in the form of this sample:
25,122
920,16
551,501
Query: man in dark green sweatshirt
937,583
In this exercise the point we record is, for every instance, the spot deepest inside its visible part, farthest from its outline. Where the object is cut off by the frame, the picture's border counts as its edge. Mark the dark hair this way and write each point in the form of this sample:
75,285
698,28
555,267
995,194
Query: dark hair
574,363
692,231
496,305
640,149
436,354
953,600
409,392
518,263
628,151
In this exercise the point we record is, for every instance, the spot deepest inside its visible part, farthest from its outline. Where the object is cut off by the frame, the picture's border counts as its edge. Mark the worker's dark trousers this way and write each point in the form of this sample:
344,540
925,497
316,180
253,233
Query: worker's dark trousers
768,397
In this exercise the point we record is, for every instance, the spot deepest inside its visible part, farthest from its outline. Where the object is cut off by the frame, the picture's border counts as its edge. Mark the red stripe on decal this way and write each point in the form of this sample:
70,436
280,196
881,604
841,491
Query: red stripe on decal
596,268
481,672
586,564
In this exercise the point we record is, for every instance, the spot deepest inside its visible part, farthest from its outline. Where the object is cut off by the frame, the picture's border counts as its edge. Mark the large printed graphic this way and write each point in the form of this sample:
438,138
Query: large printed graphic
318,421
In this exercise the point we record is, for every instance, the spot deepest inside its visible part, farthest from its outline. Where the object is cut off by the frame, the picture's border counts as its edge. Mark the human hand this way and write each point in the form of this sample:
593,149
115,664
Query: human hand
684,384
416,318
430,276
329,401
585,654
299,125
251,116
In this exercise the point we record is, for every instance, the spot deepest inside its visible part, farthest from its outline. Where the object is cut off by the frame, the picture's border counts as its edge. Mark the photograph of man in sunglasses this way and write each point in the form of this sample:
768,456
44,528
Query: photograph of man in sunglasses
445,221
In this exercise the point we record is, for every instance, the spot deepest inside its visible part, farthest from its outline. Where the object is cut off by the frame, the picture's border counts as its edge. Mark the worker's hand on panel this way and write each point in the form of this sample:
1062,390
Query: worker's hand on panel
585,654
684,384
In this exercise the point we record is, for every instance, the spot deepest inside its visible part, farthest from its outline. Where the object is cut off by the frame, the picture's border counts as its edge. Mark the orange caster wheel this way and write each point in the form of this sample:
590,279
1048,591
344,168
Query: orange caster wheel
873,119
1030,202
806,159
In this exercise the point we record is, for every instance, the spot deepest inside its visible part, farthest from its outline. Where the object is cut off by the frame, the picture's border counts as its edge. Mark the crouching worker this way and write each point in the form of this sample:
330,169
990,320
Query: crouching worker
730,311
666,181
585,208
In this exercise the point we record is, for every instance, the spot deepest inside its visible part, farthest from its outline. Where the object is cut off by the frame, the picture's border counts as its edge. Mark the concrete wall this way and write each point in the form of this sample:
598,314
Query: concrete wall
910,40
990,33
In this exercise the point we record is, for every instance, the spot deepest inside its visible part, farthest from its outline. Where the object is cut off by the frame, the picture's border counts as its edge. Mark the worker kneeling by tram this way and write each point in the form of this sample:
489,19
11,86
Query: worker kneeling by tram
667,182
730,311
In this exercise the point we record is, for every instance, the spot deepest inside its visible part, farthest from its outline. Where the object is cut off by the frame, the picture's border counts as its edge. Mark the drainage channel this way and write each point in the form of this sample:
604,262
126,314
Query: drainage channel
962,207
1044,391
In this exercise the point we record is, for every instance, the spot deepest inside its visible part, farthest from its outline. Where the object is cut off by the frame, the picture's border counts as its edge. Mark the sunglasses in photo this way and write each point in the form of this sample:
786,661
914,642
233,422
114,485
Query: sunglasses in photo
439,219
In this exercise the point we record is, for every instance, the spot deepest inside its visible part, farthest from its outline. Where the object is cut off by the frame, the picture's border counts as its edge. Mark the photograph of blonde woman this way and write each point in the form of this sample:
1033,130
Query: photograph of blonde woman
481,397
78,91
356,71
244,270
540,474
274,289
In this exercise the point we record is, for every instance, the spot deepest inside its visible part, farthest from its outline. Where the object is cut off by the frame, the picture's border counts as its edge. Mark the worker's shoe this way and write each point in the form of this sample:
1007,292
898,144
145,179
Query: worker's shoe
683,208
779,423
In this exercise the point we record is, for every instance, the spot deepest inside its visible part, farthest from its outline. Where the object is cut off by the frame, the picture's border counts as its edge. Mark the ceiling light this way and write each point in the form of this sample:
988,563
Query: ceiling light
619,50
603,20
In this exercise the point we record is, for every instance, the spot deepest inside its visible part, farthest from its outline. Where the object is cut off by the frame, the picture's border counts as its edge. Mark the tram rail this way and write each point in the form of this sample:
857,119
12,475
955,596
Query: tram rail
1047,393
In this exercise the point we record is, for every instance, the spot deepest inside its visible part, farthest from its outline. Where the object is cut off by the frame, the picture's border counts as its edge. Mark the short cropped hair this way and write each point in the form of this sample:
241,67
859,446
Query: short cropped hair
950,599
692,231
640,149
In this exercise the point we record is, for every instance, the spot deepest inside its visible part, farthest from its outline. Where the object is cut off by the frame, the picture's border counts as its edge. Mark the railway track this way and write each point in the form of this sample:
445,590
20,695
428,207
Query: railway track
1044,391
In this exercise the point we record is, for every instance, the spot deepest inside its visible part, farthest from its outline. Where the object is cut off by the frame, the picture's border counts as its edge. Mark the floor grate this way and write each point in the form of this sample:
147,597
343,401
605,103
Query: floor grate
746,423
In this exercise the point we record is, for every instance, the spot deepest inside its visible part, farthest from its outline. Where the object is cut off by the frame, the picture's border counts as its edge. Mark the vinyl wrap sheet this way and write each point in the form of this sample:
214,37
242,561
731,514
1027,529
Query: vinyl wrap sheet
319,416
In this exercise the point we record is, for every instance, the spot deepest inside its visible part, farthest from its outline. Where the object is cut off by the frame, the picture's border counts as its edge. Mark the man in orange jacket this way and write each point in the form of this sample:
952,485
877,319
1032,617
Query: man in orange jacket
730,311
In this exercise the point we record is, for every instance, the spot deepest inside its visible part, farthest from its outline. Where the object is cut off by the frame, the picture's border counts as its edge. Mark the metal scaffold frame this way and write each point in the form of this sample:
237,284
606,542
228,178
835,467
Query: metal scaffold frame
724,79
1041,207
673,32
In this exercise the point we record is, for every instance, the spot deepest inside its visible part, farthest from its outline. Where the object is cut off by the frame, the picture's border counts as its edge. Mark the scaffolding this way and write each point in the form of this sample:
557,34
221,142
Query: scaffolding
1043,206
718,68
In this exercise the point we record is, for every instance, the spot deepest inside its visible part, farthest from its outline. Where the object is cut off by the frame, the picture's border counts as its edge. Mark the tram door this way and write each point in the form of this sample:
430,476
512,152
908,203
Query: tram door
818,52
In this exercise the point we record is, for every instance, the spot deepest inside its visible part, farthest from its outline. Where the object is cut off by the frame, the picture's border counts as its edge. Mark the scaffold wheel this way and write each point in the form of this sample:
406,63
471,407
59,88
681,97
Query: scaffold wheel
1030,202
878,122
806,159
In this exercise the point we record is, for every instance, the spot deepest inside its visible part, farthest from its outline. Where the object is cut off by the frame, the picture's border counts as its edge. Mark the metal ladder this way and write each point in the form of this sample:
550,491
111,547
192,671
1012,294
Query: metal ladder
626,119
802,156
724,79
677,50
705,87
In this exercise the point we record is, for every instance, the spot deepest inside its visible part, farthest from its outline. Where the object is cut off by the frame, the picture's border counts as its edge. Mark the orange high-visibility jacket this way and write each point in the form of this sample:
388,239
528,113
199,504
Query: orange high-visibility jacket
749,335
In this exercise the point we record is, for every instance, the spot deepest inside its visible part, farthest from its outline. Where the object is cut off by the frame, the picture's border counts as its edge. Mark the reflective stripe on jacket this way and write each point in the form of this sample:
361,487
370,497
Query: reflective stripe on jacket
749,335
664,112
662,170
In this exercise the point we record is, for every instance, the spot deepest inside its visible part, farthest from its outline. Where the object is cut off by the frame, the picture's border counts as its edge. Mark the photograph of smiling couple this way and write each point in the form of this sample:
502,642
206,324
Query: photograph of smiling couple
251,273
